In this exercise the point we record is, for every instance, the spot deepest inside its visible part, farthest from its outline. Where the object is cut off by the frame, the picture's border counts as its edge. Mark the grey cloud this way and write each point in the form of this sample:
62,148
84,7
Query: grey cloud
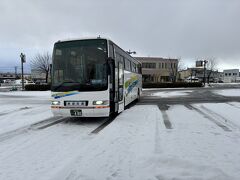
188,28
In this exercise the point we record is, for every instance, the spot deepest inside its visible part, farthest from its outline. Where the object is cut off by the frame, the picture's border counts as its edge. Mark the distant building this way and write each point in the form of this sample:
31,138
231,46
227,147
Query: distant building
231,75
38,76
197,73
8,76
220,76
156,69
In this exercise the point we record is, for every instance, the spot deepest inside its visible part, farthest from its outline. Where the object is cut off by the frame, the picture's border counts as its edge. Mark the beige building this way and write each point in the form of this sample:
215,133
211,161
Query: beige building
156,69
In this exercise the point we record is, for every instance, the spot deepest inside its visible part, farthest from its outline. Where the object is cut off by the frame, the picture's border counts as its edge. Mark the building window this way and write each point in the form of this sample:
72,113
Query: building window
144,65
165,78
147,78
149,65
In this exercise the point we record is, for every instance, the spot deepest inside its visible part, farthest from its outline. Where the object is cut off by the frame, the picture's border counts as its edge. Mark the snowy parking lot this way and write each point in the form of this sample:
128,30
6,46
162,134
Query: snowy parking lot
165,140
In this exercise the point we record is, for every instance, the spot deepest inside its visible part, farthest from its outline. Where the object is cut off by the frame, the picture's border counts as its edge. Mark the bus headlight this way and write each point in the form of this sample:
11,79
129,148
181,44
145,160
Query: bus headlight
100,102
55,103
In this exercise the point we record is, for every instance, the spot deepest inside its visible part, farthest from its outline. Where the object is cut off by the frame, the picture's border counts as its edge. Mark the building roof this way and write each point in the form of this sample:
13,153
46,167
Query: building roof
155,59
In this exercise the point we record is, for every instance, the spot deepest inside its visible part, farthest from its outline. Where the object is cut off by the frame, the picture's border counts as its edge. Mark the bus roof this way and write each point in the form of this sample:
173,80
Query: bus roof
93,38
78,39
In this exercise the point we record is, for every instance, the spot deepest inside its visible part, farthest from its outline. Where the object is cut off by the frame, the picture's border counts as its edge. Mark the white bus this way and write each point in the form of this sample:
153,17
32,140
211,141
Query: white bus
93,78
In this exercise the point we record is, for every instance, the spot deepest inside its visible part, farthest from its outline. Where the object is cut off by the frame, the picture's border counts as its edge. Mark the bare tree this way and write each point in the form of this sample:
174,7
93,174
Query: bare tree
173,68
180,67
41,63
211,66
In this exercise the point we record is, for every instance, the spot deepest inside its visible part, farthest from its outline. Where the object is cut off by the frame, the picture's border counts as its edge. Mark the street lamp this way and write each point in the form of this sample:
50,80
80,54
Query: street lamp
23,60
131,52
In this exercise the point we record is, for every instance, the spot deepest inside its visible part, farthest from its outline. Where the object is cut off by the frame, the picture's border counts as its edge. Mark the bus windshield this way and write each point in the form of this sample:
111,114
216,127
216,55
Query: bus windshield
80,65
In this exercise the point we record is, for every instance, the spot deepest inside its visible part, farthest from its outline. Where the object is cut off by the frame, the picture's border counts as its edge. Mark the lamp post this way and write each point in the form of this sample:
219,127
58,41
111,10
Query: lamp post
23,60
204,71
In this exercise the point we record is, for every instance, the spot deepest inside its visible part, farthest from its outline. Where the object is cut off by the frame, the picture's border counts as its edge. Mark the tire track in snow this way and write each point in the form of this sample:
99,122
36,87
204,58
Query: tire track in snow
233,105
166,120
103,125
14,111
36,126
224,120
207,116
188,106
157,134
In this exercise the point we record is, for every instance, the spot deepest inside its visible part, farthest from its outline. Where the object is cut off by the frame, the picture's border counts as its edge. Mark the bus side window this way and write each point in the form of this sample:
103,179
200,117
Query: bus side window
133,67
111,51
127,64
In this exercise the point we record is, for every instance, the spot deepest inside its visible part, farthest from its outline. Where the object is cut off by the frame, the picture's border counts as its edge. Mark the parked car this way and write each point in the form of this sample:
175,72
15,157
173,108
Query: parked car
192,79
19,81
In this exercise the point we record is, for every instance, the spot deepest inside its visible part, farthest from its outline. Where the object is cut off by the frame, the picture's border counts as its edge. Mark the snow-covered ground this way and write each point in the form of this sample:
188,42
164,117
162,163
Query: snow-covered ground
166,94
21,108
203,142
35,94
138,146
228,92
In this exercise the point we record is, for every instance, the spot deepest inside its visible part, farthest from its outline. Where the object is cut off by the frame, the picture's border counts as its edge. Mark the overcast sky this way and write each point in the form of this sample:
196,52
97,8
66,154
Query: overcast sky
190,29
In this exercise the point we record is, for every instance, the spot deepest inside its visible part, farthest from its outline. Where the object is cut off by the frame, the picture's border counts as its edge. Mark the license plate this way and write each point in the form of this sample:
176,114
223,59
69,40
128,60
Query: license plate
76,112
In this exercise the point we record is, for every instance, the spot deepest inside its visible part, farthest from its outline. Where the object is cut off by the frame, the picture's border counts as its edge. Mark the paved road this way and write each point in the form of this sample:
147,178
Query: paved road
197,95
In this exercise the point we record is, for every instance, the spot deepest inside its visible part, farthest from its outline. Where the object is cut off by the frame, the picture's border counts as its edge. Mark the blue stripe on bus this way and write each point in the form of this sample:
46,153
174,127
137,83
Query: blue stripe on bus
131,86
64,95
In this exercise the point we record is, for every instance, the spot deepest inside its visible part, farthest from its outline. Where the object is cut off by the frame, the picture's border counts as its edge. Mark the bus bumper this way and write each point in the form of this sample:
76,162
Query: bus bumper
103,111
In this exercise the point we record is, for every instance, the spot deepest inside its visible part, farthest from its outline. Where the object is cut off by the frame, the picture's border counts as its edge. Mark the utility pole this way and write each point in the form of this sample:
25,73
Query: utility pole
23,60
204,71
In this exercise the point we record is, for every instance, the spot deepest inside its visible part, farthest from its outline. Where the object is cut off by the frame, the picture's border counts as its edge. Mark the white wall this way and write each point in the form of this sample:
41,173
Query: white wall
230,75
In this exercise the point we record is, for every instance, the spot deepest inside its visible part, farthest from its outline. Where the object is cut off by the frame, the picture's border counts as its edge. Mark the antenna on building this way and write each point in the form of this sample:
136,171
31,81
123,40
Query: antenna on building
99,37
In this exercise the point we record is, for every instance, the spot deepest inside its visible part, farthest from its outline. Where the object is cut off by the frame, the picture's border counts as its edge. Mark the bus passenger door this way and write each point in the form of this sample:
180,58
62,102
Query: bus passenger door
111,64
120,87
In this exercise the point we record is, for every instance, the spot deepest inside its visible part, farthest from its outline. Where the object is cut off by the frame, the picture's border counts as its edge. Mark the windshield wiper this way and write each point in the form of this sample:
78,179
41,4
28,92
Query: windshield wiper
65,82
